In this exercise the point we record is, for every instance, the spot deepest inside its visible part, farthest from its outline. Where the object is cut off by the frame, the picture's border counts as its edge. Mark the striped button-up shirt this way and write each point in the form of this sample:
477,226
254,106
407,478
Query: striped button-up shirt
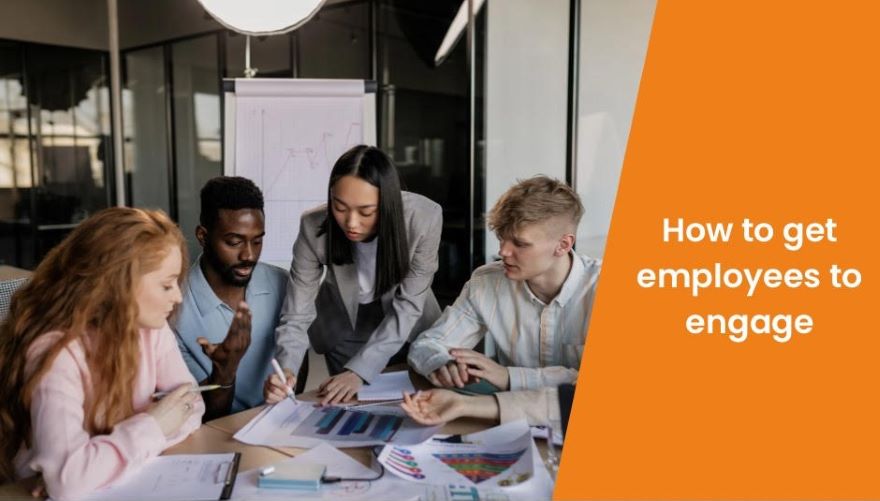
540,343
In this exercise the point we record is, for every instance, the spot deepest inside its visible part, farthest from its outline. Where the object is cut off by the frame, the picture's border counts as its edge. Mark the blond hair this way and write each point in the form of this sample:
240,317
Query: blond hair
85,288
534,200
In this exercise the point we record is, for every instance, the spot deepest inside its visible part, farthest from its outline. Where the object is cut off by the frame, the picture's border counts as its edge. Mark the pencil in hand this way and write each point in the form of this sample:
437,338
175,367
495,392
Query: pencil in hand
196,389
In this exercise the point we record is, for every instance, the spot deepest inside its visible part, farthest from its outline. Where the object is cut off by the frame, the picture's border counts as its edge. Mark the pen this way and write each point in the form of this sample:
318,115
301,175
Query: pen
370,404
199,389
280,374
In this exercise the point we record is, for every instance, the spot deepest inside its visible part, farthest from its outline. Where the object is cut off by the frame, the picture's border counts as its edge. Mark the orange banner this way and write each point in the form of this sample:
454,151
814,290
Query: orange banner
735,363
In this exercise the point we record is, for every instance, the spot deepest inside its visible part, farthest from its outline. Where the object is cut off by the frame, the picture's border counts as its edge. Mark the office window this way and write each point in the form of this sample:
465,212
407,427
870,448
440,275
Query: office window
15,160
146,129
425,120
55,157
197,126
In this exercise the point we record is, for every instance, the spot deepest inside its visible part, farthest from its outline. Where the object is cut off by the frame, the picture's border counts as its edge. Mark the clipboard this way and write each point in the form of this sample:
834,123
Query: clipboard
176,477
231,475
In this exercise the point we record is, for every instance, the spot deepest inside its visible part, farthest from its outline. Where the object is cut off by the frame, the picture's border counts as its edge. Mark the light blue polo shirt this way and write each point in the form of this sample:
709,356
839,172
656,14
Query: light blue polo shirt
203,314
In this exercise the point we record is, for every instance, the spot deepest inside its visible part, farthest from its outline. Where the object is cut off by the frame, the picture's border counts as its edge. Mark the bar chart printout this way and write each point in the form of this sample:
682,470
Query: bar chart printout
304,424
338,422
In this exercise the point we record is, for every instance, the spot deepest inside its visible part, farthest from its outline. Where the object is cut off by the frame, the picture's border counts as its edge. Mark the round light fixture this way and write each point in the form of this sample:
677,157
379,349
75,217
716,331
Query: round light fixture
262,17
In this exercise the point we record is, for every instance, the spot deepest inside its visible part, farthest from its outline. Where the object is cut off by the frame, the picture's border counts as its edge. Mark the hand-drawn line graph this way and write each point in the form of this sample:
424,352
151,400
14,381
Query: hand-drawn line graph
311,164
288,147
296,157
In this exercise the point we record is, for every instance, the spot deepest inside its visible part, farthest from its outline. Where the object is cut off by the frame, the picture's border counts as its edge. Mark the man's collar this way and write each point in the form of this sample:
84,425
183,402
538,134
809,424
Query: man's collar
568,288
259,284
203,295
571,281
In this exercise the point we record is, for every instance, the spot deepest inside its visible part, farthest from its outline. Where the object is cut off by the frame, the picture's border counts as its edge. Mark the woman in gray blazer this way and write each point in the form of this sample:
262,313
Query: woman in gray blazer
378,247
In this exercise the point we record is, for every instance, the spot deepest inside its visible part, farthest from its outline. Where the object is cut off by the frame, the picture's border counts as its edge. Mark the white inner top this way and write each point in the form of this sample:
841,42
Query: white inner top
366,266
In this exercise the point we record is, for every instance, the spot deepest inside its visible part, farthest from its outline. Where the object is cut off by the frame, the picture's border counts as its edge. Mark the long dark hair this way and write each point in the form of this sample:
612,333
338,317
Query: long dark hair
392,253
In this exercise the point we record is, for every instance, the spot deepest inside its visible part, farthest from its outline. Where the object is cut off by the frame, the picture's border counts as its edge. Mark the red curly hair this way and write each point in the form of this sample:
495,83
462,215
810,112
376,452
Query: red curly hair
85,288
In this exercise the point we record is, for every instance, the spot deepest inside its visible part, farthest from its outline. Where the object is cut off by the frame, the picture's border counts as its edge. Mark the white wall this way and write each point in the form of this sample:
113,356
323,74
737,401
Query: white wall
73,23
614,40
526,94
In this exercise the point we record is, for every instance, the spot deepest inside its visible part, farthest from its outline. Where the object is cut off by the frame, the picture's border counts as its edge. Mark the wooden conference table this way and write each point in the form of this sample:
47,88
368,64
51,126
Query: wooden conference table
216,437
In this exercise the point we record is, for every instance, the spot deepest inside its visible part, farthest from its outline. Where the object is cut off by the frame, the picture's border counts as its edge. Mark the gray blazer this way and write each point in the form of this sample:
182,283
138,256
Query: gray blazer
321,312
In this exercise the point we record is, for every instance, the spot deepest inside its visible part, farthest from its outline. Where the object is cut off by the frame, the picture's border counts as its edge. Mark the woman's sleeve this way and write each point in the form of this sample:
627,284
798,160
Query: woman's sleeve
406,306
171,372
298,311
73,463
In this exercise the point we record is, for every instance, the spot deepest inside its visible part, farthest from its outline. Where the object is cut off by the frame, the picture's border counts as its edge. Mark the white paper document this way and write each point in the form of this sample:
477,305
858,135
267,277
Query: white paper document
498,457
180,477
303,424
542,432
387,386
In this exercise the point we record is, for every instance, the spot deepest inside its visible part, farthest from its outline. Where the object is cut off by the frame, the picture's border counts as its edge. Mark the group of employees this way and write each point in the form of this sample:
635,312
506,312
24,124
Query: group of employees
113,314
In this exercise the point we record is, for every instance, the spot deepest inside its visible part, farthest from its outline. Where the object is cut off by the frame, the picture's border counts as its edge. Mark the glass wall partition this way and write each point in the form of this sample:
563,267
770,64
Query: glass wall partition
426,123
198,153
55,145
172,126
146,129
16,236
72,149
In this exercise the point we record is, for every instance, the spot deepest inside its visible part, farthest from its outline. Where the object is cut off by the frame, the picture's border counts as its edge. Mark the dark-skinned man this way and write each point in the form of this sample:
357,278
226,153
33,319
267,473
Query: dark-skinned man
231,302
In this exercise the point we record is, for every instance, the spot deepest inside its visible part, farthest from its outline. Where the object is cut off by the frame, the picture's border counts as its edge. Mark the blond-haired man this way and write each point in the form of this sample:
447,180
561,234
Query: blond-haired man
534,304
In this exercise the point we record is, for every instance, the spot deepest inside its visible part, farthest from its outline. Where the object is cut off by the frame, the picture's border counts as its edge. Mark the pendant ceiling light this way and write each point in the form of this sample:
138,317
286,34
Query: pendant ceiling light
262,17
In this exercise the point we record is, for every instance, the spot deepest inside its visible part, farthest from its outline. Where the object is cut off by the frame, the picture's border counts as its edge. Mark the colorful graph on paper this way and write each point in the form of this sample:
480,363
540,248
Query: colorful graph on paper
337,423
480,466
402,461
499,457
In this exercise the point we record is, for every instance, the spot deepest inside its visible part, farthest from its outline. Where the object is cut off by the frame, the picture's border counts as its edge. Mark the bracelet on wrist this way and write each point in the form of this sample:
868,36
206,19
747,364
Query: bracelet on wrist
219,381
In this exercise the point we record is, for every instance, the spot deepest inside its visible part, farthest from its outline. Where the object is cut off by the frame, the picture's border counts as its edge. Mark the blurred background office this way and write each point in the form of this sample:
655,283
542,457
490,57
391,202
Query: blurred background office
532,86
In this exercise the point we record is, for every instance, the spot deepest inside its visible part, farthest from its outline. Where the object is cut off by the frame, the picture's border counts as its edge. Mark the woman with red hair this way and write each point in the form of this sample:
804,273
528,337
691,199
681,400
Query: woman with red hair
85,346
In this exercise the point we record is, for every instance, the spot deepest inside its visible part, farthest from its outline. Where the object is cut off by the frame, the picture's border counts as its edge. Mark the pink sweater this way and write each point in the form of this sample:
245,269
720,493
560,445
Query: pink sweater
74,463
